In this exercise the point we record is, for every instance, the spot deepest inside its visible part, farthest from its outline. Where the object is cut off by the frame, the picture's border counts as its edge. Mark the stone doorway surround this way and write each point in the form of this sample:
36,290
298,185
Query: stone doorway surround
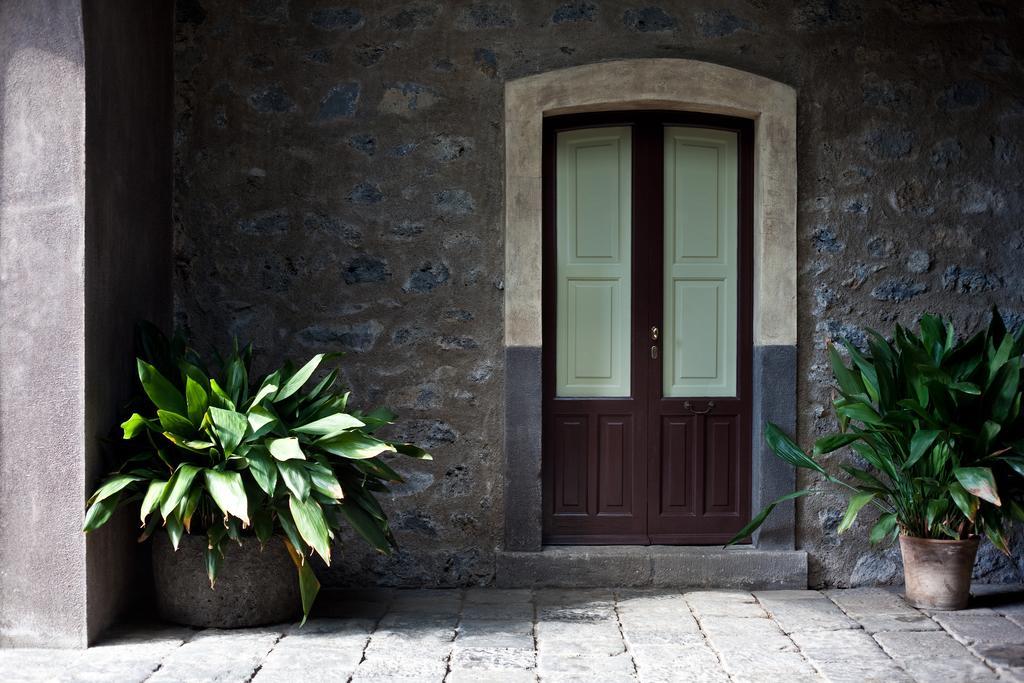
668,84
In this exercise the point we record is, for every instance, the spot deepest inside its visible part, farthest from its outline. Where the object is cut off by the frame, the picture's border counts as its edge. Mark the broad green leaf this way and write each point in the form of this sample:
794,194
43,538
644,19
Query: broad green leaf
989,431
867,370
860,412
175,529
857,501
366,501
330,425
378,468
284,518
236,381
366,526
229,427
412,451
1016,462
308,584
883,528
967,503
176,424
261,421
100,512
936,511
994,529
966,388
263,524
295,477
1006,385
194,445
227,491
198,401
883,463
214,557
177,487
866,477
919,445
286,449
151,499
375,419
355,445
113,485
188,506
263,470
848,380
324,481
219,397
325,383
834,442
1016,511
759,518
311,525
136,424
268,387
161,392
188,369
786,448
295,382
979,481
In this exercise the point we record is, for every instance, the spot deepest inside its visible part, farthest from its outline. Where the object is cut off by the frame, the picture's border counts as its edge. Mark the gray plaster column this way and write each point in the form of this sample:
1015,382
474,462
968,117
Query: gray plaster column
85,168
42,341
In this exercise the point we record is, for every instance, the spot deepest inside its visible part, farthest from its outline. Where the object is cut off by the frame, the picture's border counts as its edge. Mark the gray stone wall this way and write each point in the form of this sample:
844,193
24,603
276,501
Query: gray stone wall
339,185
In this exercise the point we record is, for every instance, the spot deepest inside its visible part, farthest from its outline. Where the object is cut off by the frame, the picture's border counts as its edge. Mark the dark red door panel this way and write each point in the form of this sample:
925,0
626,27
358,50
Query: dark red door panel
721,480
615,455
677,467
569,456
594,480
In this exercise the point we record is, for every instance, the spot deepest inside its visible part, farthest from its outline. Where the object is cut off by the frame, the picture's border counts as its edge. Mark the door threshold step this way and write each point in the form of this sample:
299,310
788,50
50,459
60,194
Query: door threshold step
580,566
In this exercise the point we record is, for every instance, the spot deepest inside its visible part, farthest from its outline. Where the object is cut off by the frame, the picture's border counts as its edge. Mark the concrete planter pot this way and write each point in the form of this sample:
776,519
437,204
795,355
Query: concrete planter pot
255,586
937,573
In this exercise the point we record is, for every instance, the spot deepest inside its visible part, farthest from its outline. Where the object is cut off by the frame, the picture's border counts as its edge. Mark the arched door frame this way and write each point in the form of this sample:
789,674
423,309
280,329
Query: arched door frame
671,84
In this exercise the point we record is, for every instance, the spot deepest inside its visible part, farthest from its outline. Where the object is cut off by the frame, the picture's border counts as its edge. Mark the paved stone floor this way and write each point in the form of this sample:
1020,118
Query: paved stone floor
867,634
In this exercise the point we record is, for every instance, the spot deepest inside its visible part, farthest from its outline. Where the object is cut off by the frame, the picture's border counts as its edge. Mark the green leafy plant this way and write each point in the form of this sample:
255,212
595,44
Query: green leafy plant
937,422
220,455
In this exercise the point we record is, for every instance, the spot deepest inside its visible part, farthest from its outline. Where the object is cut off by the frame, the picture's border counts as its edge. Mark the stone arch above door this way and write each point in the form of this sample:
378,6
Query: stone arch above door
667,84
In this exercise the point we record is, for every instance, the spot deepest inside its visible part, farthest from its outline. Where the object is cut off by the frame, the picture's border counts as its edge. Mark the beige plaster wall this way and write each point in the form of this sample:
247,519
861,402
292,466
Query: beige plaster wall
678,84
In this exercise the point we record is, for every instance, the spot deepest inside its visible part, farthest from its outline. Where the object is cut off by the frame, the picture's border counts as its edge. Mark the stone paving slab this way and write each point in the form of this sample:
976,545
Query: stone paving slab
878,610
804,611
989,635
933,656
565,635
848,655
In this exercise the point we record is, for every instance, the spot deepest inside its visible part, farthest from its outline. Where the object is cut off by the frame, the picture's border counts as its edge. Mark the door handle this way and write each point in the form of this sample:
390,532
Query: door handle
711,406
654,333
654,352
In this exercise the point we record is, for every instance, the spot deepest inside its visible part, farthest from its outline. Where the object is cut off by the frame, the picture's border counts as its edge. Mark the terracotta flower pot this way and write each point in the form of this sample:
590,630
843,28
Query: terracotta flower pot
937,573
254,586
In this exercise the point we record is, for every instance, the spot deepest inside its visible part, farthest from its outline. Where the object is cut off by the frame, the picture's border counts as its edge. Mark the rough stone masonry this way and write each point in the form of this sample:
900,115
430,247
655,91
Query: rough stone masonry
339,186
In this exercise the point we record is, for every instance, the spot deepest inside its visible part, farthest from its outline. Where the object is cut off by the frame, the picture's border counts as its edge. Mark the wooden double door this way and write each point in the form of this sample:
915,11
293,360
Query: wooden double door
647,328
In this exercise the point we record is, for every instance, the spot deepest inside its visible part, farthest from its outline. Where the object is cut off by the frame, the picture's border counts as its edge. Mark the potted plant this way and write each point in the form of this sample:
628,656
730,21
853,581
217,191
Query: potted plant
937,423
261,474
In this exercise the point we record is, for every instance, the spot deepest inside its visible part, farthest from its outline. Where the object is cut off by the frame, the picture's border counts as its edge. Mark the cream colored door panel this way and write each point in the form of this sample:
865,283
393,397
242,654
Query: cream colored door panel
700,269
593,223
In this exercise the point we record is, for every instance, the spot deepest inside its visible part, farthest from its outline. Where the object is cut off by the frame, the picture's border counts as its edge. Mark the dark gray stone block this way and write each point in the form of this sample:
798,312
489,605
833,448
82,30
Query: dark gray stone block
774,401
652,566
523,401
574,567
